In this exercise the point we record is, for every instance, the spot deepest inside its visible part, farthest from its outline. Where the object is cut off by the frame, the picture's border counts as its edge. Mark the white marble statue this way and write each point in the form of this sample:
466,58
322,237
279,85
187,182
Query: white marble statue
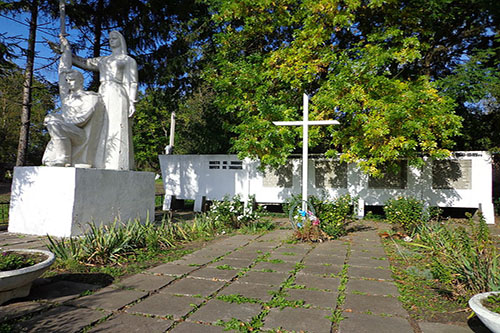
78,134
118,88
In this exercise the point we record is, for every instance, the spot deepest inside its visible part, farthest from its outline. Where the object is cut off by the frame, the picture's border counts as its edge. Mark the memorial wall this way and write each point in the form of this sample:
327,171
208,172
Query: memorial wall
464,180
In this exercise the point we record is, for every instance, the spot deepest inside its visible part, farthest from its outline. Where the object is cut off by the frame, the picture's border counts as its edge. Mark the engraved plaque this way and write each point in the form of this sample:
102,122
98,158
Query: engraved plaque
330,174
390,179
452,174
280,177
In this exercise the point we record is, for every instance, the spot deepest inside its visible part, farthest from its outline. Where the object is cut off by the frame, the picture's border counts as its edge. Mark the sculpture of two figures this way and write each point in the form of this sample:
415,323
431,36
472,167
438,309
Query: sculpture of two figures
94,129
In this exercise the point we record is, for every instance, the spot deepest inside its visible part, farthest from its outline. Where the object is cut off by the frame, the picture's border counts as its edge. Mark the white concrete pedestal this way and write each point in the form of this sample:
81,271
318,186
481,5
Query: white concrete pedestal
61,201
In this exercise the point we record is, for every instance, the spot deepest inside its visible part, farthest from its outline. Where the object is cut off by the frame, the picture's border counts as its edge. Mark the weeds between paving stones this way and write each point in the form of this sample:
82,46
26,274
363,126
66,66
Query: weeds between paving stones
336,316
279,301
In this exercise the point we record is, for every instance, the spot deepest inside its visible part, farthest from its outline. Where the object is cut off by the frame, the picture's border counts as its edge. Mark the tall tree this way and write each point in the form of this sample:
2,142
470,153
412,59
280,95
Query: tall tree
11,88
371,64
27,86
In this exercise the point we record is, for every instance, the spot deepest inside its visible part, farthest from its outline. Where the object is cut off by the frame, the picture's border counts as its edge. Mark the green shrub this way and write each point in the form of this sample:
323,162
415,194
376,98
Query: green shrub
102,245
407,212
336,215
233,213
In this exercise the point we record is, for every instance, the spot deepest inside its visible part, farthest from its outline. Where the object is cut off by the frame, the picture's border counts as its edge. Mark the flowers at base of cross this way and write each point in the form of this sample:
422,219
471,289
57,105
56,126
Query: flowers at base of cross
307,227
303,217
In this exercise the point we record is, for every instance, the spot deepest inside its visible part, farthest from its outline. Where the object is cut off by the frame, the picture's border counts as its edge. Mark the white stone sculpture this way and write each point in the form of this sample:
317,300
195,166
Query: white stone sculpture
78,134
118,88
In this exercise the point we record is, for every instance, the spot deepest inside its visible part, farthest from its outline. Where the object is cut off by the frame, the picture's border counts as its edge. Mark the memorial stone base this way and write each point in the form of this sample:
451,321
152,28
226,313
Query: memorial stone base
60,202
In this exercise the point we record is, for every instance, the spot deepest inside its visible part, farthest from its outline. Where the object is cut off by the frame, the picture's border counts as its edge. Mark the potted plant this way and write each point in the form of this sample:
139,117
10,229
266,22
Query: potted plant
19,268
487,308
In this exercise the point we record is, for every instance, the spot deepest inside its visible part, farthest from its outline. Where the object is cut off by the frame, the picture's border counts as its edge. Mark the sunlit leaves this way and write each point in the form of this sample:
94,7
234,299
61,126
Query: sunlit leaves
270,52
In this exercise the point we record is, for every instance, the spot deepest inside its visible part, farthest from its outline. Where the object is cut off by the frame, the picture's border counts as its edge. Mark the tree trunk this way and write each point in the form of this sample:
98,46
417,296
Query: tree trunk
96,52
22,148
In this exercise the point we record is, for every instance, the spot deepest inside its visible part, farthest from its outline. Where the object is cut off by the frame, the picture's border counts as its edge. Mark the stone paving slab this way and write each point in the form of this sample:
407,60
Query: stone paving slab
61,319
108,298
371,287
212,273
146,282
368,252
427,327
193,287
337,250
188,327
165,305
317,282
27,245
298,319
250,290
371,273
380,305
287,256
364,323
260,246
193,261
276,235
216,310
329,260
132,323
236,263
172,269
292,249
323,270
211,253
15,309
283,267
316,298
59,291
250,254
369,262
266,278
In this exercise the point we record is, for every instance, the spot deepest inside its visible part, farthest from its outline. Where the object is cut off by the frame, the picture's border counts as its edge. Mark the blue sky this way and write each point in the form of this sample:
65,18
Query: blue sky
16,29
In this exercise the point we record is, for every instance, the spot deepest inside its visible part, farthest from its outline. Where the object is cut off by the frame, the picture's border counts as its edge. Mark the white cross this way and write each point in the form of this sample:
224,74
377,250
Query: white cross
305,123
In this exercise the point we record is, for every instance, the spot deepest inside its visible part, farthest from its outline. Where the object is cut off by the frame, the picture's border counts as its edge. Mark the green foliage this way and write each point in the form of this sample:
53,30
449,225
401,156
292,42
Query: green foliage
11,89
102,245
232,212
361,73
110,244
336,215
407,212
465,260
12,260
492,302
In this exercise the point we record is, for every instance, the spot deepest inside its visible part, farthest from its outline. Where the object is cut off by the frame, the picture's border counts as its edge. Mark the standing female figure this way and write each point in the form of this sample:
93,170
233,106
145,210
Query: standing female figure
118,88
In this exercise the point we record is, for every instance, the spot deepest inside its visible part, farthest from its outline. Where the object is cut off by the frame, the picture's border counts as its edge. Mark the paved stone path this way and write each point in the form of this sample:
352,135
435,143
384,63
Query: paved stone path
295,287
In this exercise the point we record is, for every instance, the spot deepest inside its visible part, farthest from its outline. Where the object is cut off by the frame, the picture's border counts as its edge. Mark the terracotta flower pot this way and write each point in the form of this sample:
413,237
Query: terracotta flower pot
489,318
17,283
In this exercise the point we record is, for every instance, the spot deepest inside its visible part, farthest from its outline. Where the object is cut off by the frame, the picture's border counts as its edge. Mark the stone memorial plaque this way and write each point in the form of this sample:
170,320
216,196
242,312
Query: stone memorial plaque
391,180
280,177
330,174
452,174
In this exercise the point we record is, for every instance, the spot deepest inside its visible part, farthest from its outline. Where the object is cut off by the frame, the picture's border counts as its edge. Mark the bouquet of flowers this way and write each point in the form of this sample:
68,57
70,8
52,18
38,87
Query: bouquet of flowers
307,226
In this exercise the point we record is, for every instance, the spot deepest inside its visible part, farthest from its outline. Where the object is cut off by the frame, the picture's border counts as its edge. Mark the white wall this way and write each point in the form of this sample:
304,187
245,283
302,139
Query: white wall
197,176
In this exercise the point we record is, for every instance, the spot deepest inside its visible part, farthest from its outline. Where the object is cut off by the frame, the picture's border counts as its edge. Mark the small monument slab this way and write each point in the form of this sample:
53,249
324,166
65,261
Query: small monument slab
330,174
280,177
61,201
452,174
